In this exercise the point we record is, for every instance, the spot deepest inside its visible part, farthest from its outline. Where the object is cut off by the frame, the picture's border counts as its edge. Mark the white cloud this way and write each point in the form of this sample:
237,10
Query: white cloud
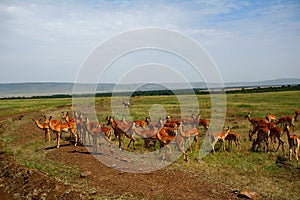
237,34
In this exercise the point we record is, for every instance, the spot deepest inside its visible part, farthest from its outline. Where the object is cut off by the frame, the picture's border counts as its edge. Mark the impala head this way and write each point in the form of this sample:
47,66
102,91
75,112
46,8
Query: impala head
227,129
248,115
65,114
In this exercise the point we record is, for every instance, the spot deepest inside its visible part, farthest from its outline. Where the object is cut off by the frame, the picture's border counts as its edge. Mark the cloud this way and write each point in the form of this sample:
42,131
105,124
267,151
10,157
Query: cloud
237,34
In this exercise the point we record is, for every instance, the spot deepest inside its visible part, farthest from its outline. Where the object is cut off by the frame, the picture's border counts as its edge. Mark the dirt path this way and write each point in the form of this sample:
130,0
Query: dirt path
18,182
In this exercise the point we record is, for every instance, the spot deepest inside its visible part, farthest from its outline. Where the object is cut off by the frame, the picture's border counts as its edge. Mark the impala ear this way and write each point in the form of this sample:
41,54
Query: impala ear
33,120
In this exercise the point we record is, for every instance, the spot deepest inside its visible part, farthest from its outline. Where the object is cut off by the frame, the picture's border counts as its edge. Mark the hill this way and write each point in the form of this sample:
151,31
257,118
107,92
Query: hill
54,88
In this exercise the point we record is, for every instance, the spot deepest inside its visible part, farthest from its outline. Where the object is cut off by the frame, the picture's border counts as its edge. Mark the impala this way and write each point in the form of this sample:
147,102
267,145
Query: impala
201,122
146,135
58,128
178,122
271,118
276,132
259,126
44,126
262,136
255,121
120,132
96,132
286,120
233,137
294,143
166,139
219,136
187,134
141,123
126,104
67,118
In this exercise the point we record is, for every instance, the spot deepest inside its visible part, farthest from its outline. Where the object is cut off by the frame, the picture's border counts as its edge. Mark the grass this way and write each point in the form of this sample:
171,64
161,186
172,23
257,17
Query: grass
270,174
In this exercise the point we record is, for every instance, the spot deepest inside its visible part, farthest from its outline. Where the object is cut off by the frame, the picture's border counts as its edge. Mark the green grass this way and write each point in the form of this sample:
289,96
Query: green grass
270,174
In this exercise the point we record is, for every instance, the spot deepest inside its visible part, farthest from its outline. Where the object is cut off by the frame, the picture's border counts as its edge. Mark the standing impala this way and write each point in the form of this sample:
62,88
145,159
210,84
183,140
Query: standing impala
286,120
294,143
58,128
44,126
255,121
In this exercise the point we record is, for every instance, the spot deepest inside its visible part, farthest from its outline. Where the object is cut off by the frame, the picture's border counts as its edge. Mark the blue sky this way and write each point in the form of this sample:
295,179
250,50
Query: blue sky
247,40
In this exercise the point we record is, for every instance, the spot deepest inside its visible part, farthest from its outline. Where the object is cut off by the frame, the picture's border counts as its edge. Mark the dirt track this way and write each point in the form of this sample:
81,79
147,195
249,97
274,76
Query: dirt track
17,182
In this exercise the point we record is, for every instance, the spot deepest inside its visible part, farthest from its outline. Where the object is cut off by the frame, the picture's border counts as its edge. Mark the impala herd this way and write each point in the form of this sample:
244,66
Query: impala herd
169,130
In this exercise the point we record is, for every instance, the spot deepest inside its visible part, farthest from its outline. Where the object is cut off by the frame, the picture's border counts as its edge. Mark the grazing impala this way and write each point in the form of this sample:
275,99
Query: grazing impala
294,143
259,126
219,136
262,136
276,132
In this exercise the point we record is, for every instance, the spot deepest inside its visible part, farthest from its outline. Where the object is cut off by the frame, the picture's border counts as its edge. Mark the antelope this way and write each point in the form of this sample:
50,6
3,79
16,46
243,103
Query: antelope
294,143
178,122
262,136
187,134
146,135
235,137
96,132
67,118
215,137
151,125
255,121
188,120
119,132
201,122
276,132
80,125
297,113
286,120
141,123
259,126
44,126
271,118
62,127
126,104
166,139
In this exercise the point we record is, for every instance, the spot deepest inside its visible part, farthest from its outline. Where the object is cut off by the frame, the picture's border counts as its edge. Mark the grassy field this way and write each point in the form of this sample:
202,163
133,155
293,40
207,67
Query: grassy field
270,174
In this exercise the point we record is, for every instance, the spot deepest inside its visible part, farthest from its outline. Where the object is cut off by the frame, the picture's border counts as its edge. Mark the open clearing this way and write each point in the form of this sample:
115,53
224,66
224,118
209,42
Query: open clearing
35,169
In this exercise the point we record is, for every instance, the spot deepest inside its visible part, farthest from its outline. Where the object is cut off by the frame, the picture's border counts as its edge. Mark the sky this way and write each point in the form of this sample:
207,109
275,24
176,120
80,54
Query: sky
48,41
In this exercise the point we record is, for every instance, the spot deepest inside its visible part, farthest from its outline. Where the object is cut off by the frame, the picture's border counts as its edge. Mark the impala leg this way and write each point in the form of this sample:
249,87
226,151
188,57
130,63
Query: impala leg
190,146
290,153
58,135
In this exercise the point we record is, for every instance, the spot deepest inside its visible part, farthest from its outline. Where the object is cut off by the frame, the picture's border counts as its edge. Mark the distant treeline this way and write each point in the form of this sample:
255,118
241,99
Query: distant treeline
172,92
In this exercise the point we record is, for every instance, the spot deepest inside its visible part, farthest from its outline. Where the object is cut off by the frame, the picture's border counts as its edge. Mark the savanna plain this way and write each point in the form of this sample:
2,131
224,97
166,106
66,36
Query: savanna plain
33,168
